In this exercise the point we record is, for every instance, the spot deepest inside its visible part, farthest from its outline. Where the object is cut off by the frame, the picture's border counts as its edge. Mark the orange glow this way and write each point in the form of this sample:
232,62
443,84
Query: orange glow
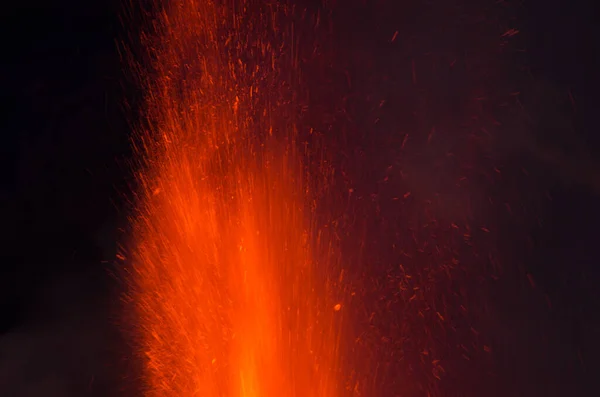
228,270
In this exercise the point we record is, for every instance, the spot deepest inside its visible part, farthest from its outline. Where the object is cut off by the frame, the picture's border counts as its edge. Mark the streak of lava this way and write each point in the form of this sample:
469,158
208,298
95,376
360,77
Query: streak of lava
229,274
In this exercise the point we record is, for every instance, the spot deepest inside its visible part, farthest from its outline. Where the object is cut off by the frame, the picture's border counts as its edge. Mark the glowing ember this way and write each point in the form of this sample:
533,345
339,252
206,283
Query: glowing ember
227,292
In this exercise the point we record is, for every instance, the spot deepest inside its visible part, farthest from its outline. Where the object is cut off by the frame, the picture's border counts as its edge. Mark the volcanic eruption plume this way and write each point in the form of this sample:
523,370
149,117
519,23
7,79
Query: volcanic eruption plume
237,287
229,272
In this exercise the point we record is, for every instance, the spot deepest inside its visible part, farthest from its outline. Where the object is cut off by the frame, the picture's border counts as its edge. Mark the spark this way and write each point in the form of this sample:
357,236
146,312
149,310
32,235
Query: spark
226,261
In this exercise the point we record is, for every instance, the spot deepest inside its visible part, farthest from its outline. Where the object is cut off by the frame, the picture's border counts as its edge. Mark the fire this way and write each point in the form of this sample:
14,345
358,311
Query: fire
229,272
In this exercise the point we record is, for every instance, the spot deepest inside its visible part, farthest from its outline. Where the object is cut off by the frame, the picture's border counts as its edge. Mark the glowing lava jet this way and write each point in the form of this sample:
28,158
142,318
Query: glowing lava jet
229,274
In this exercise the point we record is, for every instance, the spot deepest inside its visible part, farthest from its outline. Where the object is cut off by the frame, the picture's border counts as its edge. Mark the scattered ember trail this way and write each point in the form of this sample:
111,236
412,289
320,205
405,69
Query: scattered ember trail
236,282
227,280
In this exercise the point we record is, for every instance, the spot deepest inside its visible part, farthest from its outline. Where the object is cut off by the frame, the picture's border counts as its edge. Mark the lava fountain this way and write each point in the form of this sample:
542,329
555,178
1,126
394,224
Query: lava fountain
229,272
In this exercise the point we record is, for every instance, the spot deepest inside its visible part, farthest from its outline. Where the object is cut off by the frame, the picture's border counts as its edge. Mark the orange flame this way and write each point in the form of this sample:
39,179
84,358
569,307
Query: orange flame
228,296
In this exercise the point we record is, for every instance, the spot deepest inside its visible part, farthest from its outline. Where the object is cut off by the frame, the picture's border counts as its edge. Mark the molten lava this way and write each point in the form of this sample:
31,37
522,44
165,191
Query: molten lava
229,274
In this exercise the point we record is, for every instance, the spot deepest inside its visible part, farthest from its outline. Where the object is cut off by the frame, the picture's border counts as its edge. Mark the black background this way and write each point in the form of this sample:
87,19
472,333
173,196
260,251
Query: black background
65,134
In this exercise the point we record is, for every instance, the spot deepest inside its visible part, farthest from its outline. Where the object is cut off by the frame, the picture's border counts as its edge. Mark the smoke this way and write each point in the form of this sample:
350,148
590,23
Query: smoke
66,345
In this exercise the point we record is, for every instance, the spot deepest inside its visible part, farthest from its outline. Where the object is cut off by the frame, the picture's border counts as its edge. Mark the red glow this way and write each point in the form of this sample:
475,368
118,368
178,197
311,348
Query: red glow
225,277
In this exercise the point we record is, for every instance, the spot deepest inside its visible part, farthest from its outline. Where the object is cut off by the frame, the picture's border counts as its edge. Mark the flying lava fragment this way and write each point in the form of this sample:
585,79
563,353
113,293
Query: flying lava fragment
229,293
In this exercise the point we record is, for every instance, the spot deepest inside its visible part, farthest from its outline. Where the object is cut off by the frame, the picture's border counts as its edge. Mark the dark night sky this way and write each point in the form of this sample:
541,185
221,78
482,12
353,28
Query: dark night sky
65,141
